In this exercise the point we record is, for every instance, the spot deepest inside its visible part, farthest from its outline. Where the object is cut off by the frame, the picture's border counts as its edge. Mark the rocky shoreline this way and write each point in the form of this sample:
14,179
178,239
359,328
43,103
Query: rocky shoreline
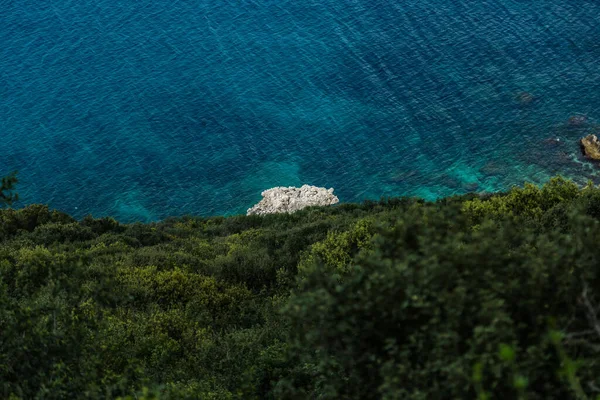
591,147
290,199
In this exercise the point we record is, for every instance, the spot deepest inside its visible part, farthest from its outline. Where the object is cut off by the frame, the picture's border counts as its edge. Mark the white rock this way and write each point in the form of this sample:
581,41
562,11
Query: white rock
290,199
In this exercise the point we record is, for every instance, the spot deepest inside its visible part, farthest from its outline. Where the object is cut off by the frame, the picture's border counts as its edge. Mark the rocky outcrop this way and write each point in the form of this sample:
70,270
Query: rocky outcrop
525,98
290,199
578,120
591,147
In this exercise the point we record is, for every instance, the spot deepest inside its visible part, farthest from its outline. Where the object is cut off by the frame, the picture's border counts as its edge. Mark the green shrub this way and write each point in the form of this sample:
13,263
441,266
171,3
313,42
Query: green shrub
7,187
411,319
335,253
50,233
390,299
29,218
102,225
529,202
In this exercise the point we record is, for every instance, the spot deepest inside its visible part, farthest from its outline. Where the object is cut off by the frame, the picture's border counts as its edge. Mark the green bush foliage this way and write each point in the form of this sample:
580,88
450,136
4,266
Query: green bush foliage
467,297
7,186
529,202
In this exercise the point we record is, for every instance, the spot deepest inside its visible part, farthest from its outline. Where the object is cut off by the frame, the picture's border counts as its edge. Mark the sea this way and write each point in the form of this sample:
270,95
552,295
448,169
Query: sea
141,110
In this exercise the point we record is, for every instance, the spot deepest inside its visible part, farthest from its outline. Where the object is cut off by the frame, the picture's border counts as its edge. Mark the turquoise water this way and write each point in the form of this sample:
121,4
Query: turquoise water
142,110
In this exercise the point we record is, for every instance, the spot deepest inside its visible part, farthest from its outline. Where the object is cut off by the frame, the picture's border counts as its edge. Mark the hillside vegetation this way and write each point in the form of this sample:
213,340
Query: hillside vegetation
464,298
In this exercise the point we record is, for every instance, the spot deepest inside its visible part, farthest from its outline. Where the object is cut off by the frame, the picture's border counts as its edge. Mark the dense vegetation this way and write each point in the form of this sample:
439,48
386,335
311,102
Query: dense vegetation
467,297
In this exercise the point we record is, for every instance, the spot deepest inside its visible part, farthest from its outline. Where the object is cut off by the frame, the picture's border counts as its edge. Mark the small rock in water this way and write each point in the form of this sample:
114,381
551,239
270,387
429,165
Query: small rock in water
494,168
578,120
470,187
591,147
404,176
290,199
525,98
552,141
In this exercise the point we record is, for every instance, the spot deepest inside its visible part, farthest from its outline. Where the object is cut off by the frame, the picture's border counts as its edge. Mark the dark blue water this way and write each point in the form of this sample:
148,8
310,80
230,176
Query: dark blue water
145,109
